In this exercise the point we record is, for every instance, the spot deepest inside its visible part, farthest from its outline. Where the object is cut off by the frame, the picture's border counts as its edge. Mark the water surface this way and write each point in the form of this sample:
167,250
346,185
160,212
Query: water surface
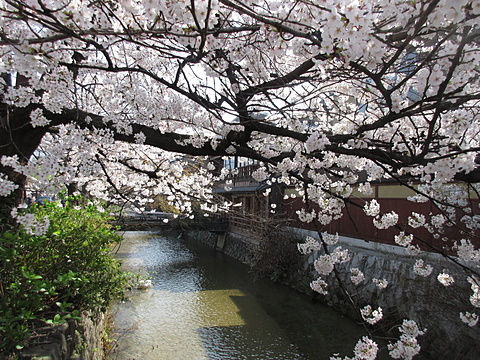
206,305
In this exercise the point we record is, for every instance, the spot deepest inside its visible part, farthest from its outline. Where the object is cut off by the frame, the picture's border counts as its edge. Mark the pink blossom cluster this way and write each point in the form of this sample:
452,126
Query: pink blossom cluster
319,286
380,283
445,278
403,239
31,224
371,316
324,264
309,245
386,220
421,268
407,346
467,252
365,349
475,286
471,319
6,186
356,276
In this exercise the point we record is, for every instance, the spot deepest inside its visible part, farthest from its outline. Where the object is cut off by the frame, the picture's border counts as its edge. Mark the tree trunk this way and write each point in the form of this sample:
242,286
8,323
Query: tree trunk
17,138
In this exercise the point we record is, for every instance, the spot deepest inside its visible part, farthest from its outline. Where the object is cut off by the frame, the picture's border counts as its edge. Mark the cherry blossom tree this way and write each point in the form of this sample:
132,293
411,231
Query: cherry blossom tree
328,96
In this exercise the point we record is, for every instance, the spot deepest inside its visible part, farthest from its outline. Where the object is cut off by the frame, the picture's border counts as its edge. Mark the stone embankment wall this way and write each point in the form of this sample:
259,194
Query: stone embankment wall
75,340
408,296
234,245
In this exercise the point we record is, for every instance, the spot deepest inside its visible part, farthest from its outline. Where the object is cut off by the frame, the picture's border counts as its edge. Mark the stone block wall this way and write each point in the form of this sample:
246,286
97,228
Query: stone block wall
408,295
75,340
234,245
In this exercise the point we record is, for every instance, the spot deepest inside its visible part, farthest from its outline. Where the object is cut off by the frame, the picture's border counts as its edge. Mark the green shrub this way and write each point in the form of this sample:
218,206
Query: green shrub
51,278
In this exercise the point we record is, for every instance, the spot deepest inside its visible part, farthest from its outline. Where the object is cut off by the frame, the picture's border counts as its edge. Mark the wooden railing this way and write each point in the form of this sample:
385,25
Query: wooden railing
250,225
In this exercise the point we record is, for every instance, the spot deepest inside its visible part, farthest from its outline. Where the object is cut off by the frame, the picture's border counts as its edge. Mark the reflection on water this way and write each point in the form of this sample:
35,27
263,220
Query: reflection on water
205,305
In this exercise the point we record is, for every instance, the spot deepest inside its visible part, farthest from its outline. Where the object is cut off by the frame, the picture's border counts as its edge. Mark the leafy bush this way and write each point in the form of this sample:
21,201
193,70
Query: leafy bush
51,278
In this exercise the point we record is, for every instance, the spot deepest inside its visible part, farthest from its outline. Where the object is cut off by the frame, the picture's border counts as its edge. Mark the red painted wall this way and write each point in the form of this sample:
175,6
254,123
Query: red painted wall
354,223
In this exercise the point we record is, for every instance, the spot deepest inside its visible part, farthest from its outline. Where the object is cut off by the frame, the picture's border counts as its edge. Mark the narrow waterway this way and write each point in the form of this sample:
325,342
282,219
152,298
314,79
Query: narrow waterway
206,305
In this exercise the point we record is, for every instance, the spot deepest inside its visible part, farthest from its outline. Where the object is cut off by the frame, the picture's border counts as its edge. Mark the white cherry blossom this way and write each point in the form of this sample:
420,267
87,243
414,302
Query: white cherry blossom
127,100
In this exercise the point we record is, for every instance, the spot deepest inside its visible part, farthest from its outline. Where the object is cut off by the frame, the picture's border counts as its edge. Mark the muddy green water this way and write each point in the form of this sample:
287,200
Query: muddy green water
206,305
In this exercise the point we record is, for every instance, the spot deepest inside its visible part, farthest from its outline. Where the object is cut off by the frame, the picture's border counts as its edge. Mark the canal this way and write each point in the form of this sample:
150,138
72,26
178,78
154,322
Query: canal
205,305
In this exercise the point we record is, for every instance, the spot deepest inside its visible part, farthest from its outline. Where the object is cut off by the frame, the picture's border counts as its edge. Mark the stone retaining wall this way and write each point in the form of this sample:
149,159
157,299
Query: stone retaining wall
75,340
234,245
408,296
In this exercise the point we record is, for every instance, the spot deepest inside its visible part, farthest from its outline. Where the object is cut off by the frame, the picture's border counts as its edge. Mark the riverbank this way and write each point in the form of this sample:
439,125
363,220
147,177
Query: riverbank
56,283
73,340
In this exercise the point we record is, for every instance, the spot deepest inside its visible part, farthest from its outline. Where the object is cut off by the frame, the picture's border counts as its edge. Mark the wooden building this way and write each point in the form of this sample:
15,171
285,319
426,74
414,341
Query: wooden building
256,204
